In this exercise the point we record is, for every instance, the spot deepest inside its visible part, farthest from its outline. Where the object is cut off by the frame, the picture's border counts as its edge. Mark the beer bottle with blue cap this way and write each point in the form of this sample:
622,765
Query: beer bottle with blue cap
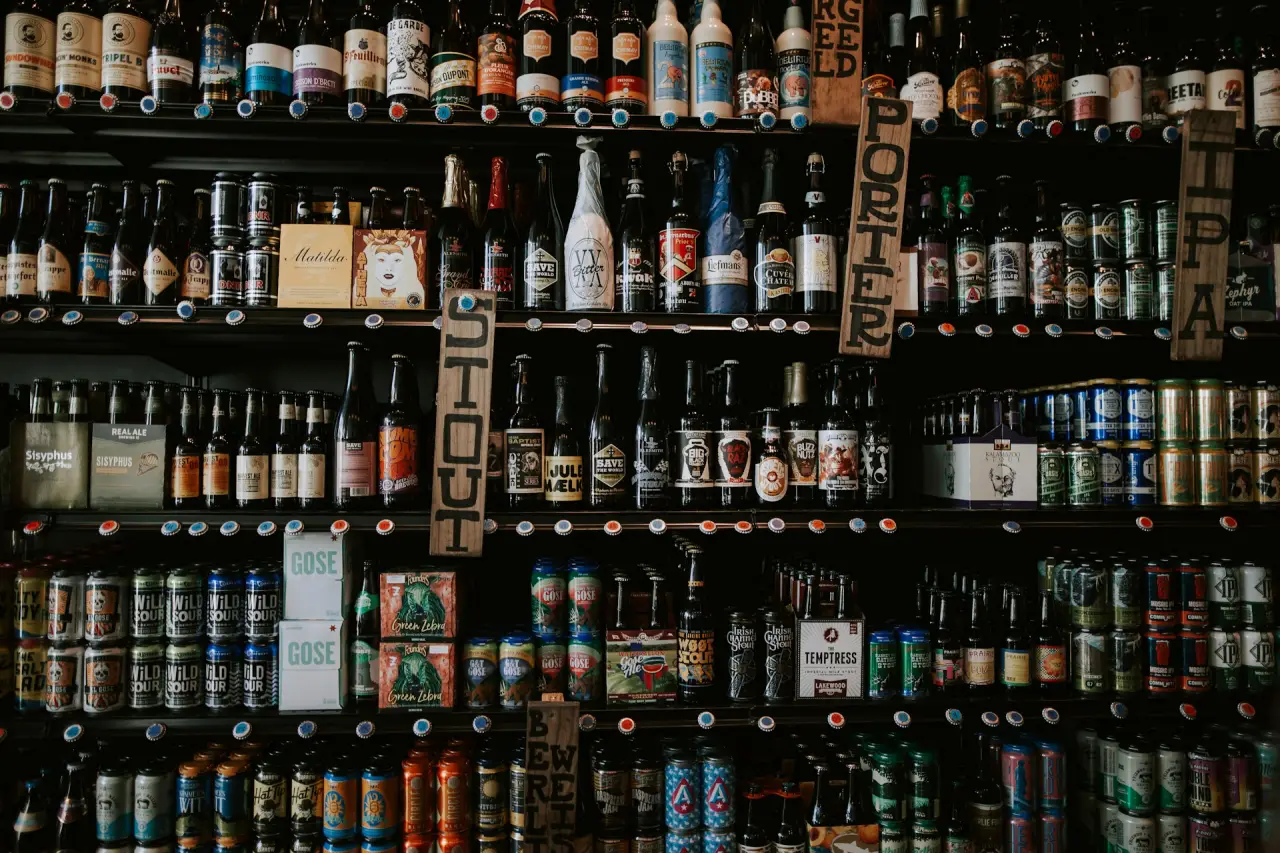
268,62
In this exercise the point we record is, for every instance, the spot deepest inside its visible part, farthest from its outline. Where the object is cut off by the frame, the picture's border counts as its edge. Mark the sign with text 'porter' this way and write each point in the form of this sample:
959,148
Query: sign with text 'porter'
875,234
837,61
462,423
1204,228
551,773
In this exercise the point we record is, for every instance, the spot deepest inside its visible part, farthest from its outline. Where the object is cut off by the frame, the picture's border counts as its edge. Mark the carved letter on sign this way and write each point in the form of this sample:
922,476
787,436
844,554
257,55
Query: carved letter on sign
551,776
1204,226
875,234
462,425
837,61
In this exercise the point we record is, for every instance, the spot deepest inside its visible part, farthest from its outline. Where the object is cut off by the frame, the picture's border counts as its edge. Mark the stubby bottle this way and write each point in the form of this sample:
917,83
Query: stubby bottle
543,284
53,269
754,838
126,40
588,242
364,57
355,437
454,236
524,444
78,57
582,86
496,59
125,272
221,64
633,277
268,60
538,83
453,62
408,57
317,59
652,460
501,245
606,460
733,445
313,453
95,252
171,57
773,270
160,267
399,449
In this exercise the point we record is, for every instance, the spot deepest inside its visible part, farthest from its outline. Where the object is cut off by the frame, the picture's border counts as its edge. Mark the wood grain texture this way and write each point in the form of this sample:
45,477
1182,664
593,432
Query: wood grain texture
837,62
551,776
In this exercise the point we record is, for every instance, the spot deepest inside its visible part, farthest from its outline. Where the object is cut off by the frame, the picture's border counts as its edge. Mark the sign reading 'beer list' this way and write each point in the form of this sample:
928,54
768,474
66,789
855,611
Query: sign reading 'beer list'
875,234
837,61
1204,229
462,423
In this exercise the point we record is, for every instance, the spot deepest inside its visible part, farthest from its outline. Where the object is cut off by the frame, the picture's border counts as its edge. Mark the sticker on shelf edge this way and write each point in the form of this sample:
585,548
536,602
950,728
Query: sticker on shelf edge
901,719
197,528
242,730
953,716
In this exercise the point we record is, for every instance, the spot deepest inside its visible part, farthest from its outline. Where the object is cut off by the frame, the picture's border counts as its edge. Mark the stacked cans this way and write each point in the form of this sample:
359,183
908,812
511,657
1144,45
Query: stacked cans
700,799
245,237
627,796
568,629
1033,776
1253,442
1119,260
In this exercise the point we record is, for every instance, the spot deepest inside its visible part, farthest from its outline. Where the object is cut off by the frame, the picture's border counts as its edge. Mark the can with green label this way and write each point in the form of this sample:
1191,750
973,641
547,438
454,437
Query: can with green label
1051,462
1084,475
1136,776
887,772
925,837
893,837
883,679
926,785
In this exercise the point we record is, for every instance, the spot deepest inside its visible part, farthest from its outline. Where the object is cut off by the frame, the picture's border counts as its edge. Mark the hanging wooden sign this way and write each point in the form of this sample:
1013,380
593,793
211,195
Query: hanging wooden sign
875,234
1204,230
462,423
837,61
551,776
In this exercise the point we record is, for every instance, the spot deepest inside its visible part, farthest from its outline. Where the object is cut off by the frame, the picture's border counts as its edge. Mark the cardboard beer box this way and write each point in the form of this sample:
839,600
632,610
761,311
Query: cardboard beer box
390,269
998,470
312,674
128,466
49,465
831,663
864,838
315,266
640,667
319,574
1251,282
419,604
416,675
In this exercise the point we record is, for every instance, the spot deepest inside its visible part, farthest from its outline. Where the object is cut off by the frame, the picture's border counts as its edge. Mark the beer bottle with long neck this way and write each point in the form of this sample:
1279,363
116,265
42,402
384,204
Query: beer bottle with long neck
126,41
1015,650
317,59
625,89
774,268
969,254
31,830
184,466
1264,70
967,97
284,456
1124,78
78,57
1045,255
415,215
754,838
984,798
364,56
453,62
498,270
74,832
253,461
160,270
195,264
125,271
170,58
312,455
771,461
543,271
1087,90
724,266
606,481
877,444
496,59
340,211
53,269
652,460
1007,73
733,445
979,650
1044,67
41,408
1006,258
921,84
355,436
581,85
538,84
22,263
634,277
681,291
524,444
1224,84
838,444
454,240
1050,663
588,243
817,250
932,262
564,454
220,61
8,222
399,450
757,80
695,639
216,470
692,445
268,60
408,58
800,437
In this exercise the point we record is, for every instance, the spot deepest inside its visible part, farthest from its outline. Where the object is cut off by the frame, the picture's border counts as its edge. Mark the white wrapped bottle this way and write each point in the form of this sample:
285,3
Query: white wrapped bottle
667,62
588,243
712,50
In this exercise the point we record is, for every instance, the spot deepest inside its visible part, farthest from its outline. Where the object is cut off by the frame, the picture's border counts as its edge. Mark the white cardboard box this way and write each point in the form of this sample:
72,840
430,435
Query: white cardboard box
832,658
319,571
313,671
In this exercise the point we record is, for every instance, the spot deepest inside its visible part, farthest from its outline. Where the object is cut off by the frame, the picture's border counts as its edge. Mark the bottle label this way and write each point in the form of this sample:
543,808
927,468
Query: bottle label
498,271
184,476
216,474
397,459
364,661
268,68
934,272
583,87
364,60
21,272
696,657
1186,92
317,70
626,47
1155,101
564,479
971,270
453,79
1044,80
967,97
53,272
1086,97
311,475
195,276
253,477
980,666
584,46
693,459
653,471
635,270
1224,90
794,80
166,67
838,460
79,52
28,51
95,271
158,272
1051,663
537,45
771,479
670,72
123,274
757,92
1266,98
1046,273
1008,265
776,273
817,262
284,475
877,462
455,263
524,461
356,468
948,665
1076,288
1106,289
1125,105
537,88
496,71
677,253
627,90
28,821
713,65
730,269
589,263
219,60
125,39
1015,668
1007,84
733,459
608,469
925,92
541,270
879,86
408,58
802,451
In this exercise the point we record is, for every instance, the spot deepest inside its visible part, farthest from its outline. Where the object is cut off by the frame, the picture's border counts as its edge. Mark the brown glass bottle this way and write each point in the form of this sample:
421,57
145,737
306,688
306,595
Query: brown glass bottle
399,449
355,436
215,480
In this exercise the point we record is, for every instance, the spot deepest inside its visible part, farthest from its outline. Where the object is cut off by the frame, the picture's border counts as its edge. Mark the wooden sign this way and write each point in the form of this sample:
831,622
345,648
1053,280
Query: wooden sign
462,423
875,234
1204,230
551,776
837,61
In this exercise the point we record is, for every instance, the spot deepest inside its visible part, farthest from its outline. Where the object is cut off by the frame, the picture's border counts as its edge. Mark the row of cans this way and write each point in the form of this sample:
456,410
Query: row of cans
1165,661
506,673
241,209
1130,230
564,603
699,790
248,277
1093,410
186,603
64,678
1086,474
1116,831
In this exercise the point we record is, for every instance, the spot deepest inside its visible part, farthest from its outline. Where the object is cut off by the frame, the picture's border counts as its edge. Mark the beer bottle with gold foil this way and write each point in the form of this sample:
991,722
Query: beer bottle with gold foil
538,84
773,269
496,59
78,58
160,269
453,62
216,470
184,465
581,85
454,237
399,454
95,253
967,96
53,271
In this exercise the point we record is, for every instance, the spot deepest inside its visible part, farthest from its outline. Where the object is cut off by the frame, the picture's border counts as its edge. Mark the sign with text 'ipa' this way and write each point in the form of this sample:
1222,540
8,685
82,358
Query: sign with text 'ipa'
1204,228
837,61
551,776
875,234
462,423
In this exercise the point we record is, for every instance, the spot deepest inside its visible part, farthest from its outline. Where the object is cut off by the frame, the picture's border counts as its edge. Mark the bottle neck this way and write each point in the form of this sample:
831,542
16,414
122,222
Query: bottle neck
523,393
315,415
731,386
1046,610
768,195
404,391
602,375
252,414
498,184
692,385
799,390
154,411
649,376
221,414
677,186
452,183
562,404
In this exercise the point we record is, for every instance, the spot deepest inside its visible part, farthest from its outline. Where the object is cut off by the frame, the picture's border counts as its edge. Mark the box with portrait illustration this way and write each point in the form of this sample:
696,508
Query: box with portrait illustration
997,470
389,270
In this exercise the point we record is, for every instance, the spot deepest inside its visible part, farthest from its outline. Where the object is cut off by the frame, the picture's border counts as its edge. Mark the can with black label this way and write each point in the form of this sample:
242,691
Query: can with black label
228,277
183,676
261,274
146,604
265,207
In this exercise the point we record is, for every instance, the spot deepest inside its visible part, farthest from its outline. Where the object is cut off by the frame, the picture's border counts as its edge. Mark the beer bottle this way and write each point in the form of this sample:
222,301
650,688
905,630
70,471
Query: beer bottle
724,272
921,84
822,814
979,650
500,241
564,455
1044,69
985,795
967,95
667,62
195,263
523,443
581,85
119,408
29,63
877,444
31,830
606,485
159,273
626,89
284,457
1007,73
126,40
1048,294
340,211
153,409
453,64
774,269
1224,84
125,273
496,59
733,445
692,445
634,275
652,463
1124,77
455,245
355,435
816,248
772,466
838,444
78,57
408,57
1151,47
800,438
8,222
41,408
695,639
216,477
253,461
317,59
711,49
543,272
957,838
754,839
932,254
1015,652
1087,90
312,452
302,212
268,60
184,466
364,645
61,401
496,453
78,402
1264,70
364,56
220,59
969,255
1187,79
415,216
538,84
588,242
881,72
1006,258
53,269
170,57
399,453
757,80
1050,649
22,264
948,654
791,837
681,291
378,217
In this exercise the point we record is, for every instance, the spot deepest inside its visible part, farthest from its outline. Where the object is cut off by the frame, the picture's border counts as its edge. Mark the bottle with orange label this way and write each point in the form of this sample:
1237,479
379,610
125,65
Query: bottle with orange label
626,88
581,85
496,59
538,84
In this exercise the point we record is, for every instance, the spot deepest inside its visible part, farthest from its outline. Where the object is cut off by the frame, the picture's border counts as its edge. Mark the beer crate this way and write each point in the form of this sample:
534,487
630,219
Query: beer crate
416,675
640,667
419,604
50,465
831,662
390,269
313,676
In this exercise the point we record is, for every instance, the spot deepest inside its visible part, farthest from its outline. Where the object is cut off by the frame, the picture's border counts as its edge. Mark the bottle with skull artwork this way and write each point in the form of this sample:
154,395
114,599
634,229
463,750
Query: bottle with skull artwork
877,446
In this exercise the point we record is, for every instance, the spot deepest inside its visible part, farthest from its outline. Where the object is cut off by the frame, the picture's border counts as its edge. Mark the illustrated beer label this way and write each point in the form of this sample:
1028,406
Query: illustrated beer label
794,80
125,39
980,666
652,470
564,479
311,475
1046,273
216,477
776,273
693,459
496,65
253,477
1155,101
677,253
268,68
21,272
1007,85
967,97
364,60
695,654
935,273
1007,263
78,57
541,269
1051,664
397,459
971,270
1125,106
733,459
219,60
1224,90
925,93
357,468
317,70
453,79
1186,92
714,64
817,262
837,460
53,272
158,272
408,58
608,469
524,461
802,451
184,476
670,71
1044,80
1015,668
28,51
164,66
635,270
771,479
757,92
1086,97
877,462
195,276
587,265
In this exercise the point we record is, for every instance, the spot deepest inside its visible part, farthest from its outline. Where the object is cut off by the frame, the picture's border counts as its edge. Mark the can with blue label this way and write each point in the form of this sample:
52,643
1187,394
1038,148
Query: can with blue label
682,788
684,840
341,800
718,798
194,812
1044,413
1138,460
1111,473
231,792
379,802
1062,413
883,680
262,604
224,605
1139,410
1051,777
516,672
1105,404
261,675
370,845
719,841
1020,834
350,844
223,678
1079,410
153,787
1017,771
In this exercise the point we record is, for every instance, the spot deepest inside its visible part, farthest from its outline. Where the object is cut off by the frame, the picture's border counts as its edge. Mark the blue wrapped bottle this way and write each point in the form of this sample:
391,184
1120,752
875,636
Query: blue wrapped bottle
724,266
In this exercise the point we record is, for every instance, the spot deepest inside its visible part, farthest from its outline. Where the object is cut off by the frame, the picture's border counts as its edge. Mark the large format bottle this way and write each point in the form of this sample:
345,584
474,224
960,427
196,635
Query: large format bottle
408,57
364,56
543,284
932,254
581,85
160,266
838,444
454,238
500,258
126,40
538,83
1006,258
588,242
317,58
355,436
253,457
1044,69
453,62
651,461
633,275
1007,73
399,448
1265,73
1124,75
625,87
969,254
680,290
979,650
215,476
691,445
921,84
128,252
733,445
794,52
667,62
313,454
967,94
1224,84
1087,89
22,262
877,455
800,437
78,57
1187,78
171,58
695,638
57,247
564,454
496,59
220,59
1046,275
284,455
524,443
184,464
29,53
712,48
724,270
606,460
268,60
817,247
773,269
757,82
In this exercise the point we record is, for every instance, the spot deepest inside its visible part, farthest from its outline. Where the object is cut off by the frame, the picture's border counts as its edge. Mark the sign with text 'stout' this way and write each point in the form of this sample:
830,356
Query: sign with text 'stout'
837,61
463,390
1204,230
875,233
551,774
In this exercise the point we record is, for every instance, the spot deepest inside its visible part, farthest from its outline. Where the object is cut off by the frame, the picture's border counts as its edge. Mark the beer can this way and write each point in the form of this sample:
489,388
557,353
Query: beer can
1089,673
1240,484
490,787
648,841
1137,833
1076,230
1208,834
1224,660
146,604
193,814
1090,598
224,605
1111,473
553,664
265,207
1053,832
925,837
888,784
1052,480
223,676
547,597
1084,811
740,637
646,792
1079,395
153,788
683,841
1266,473
516,669
384,845
113,799
105,608
227,281
270,797
682,787
1165,216
1175,483
486,842
884,665
1138,464
586,668
1256,594
1124,653
1208,409
380,802
718,799
64,678
1084,479
610,792
145,688
1109,826
1259,649
1020,833
1087,758
1207,778
585,597
418,809
1162,661
1194,588
480,668
924,784
517,784
779,657
1076,284
183,676
65,607
1161,594
1211,474
1171,775
261,282
306,798
342,845
1264,403
29,661
31,604
1135,236
1173,410
1166,290
1139,422
341,802
104,679
917,662
1239,413
1267,751
1104,232
1224,595
1242,776
1105,407
1051,775
184,604
1139,290
453,797
261,675
1193,661
1246,835
231,793
226,209
262,604
1108,292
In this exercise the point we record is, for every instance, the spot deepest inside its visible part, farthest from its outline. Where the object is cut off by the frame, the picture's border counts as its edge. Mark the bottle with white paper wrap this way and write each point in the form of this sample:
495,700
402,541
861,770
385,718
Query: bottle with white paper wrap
588,243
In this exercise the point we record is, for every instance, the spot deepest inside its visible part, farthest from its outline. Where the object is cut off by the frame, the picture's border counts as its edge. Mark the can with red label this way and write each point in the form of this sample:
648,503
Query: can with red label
1162,661
1208,834
1194,585
1162,595
1245,837
1206,779
1020,834
1053,832
1193,660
